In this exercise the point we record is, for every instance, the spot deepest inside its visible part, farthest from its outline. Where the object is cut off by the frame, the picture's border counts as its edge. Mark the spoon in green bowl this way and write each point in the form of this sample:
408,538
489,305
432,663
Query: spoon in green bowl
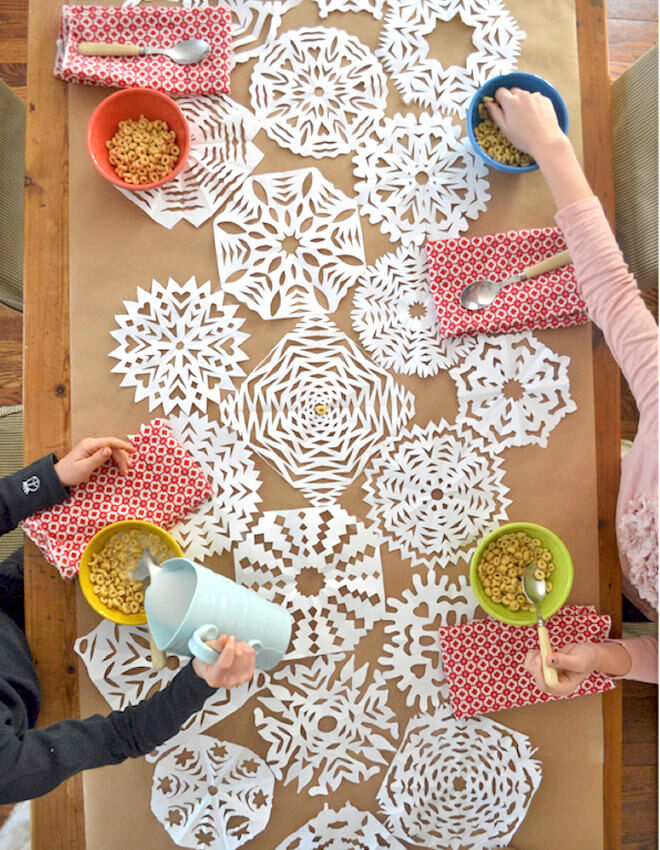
533,585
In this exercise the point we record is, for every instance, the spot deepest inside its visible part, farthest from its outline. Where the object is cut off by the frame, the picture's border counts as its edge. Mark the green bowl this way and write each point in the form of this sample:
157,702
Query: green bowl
562,577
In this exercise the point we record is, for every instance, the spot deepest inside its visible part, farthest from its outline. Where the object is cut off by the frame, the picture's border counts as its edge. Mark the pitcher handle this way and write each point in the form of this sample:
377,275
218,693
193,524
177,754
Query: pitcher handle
200,650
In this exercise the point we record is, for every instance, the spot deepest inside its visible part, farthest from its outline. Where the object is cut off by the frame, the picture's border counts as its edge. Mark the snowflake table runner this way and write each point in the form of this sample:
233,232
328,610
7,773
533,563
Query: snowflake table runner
339,830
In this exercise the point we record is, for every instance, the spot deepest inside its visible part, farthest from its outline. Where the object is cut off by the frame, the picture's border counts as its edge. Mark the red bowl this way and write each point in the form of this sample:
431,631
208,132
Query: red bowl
130,104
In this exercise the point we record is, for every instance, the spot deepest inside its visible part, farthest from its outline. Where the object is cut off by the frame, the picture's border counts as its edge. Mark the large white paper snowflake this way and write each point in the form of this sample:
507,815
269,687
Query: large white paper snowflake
459,784
404,50
289,244
318,92
324,724
375,7
396,317
212,794
316,409
341,830
411,655
179,345
436,492
513,389
323,566
419,180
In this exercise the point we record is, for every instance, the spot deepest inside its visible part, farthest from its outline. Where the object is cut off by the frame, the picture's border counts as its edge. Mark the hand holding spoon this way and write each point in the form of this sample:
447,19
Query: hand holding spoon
533,585
183,52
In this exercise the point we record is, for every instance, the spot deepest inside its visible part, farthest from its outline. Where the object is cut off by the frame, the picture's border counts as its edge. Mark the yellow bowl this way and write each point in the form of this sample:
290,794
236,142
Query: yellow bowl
562,577
96,544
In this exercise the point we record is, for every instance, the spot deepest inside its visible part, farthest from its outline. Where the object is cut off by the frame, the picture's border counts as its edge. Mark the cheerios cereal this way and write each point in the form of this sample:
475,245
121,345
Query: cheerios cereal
143,151
493,141
502,564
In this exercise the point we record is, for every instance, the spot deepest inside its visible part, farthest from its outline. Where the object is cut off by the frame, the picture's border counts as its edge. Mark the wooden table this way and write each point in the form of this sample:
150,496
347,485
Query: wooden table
57,819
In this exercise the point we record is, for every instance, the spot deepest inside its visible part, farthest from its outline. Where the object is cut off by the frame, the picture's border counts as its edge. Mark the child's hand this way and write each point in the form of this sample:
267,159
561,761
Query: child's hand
234,666
527,119
88,455
573,663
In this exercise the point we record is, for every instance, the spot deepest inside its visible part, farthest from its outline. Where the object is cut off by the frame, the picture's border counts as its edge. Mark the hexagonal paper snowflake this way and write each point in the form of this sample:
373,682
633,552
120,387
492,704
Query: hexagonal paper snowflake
412,654
513,390
459,784
419,180
323,566
396,318
436,492
324,724
375,7
318,92
404,50
316,409
179,345
212,794
347,828
289,244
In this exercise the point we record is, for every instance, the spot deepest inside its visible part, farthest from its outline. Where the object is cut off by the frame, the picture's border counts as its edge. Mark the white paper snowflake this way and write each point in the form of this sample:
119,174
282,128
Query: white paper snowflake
404,50
436,492
289,244
179,345
212,794
411,656
316,409
323,566
419,180
340,830
459,784
375,7
318,92
396,317
513,390
324,724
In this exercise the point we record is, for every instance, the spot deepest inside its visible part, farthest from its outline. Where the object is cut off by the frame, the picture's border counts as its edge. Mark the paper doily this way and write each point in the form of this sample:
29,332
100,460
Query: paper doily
347,828
323,566
419,180
375,7
318,91
289,244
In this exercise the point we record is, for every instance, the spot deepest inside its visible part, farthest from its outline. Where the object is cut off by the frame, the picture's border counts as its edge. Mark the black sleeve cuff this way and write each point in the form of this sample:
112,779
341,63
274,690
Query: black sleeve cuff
31,490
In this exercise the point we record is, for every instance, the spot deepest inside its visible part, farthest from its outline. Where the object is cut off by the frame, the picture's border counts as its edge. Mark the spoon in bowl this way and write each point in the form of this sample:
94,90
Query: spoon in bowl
533,585
183,52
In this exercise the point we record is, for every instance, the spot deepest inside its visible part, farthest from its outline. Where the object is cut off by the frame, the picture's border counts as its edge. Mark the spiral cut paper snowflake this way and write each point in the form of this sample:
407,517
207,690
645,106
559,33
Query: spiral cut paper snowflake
404,50
179,346
419,180
411,653
374,7
347,828
318,92
459,784
212,794
289,244
316,409
323,566
513,390
435,493
324,724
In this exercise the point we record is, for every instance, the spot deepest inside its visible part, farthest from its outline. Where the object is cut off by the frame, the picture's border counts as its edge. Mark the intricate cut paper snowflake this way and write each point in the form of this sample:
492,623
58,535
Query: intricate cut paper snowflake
412,655
316,409
289,244
212,794
513,390
179,345
396,317
404,50
228,464
419,180
459,784
323,566
318,92
375,7
325,724
436,492
347,828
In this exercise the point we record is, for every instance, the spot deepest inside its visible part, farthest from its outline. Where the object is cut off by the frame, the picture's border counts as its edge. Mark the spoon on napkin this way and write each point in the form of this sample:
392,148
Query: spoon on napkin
482,293
183,52
533,585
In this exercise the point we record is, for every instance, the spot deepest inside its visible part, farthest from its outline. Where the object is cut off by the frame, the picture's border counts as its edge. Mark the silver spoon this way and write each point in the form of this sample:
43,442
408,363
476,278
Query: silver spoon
183,53
481,293
533,585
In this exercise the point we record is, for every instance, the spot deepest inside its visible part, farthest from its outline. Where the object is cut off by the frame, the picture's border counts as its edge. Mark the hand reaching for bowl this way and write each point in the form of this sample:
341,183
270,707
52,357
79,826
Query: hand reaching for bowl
88,455
234,666
575,661
527,119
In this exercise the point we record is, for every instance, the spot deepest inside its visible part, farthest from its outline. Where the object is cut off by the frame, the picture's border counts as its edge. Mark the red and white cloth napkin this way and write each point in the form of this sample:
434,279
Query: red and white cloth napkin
162,486
154,26
483,660
550,300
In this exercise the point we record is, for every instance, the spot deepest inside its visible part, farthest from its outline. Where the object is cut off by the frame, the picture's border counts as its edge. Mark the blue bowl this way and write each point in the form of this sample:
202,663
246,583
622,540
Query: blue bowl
520,80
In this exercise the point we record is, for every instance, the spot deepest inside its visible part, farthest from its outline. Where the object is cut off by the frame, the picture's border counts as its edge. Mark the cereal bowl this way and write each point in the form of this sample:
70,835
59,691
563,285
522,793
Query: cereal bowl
130,104
520,80
562,577
97,544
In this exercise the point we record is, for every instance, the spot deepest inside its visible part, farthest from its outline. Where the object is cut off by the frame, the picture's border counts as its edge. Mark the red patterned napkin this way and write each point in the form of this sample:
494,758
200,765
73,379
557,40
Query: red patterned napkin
162,486
155,26
483,660
550,300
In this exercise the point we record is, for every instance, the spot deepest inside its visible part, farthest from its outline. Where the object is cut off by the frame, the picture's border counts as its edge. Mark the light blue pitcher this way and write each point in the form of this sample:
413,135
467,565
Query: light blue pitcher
187,604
